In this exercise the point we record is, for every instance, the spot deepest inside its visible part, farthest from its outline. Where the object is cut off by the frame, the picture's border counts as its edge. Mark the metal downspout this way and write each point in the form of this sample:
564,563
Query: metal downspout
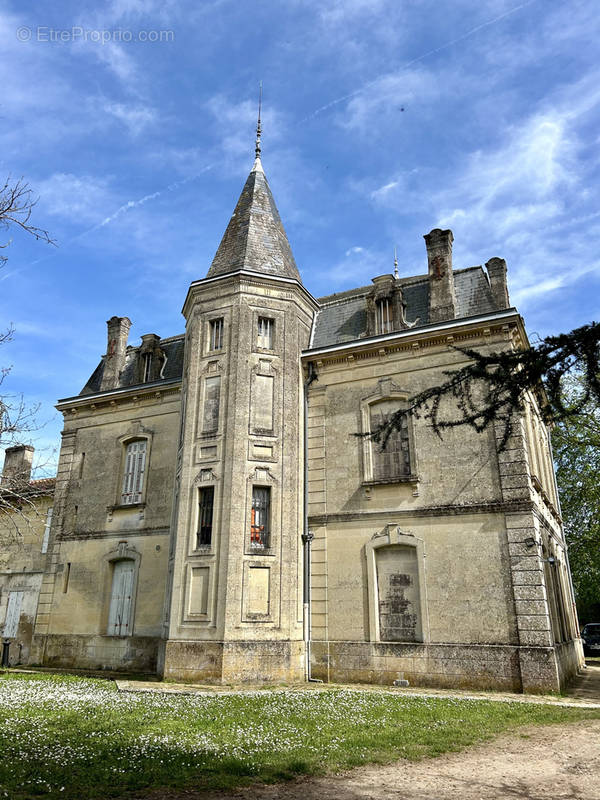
307,535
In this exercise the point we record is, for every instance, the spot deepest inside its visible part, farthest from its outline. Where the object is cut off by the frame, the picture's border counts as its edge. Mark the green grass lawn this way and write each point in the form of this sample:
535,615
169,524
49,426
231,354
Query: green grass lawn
71,737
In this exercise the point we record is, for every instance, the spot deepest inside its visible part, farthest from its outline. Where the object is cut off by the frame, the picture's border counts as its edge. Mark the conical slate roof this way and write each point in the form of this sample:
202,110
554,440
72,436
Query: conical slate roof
255,238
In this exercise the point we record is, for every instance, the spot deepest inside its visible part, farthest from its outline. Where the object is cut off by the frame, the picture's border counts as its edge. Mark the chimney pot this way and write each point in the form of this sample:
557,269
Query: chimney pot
442,298
496,268
114,360
17,463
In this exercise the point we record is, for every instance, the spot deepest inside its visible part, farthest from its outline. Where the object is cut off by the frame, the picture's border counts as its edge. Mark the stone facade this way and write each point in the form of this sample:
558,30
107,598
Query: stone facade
179,514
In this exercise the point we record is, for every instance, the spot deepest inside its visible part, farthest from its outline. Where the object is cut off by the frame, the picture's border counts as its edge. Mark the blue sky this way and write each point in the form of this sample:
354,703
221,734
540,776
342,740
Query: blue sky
382,119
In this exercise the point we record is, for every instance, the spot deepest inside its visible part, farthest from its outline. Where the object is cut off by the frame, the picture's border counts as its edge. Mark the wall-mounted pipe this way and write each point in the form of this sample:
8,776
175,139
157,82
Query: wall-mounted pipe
307,535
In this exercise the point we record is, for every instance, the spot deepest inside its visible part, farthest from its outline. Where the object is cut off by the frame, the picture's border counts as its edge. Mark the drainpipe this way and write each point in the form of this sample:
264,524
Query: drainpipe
307,535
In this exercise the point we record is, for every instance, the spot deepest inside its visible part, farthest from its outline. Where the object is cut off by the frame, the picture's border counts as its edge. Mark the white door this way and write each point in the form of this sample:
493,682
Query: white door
13,614
119,615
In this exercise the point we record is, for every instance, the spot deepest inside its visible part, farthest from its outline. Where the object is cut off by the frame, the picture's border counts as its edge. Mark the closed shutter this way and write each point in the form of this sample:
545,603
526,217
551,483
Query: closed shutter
133,476
13,615
119,615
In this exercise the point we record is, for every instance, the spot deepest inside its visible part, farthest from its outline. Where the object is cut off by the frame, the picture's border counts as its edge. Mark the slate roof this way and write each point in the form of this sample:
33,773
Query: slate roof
343,316
173,348
255,238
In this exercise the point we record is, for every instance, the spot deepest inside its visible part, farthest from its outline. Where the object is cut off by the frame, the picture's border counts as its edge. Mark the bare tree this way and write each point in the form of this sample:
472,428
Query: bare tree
491,388
17,418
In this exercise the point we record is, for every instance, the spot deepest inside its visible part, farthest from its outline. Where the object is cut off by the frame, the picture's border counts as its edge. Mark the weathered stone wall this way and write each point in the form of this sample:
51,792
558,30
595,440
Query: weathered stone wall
21,568
485,619
92,530
228,596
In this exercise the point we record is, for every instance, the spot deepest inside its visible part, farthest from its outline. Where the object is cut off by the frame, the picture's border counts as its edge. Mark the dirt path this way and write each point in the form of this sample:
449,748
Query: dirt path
541,763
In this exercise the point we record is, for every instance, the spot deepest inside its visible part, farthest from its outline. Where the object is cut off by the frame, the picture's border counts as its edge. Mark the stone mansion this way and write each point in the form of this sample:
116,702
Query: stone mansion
216,519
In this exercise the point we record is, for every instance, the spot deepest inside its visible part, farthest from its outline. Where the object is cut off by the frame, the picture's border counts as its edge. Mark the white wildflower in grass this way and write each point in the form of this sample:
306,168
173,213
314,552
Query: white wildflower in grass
79,738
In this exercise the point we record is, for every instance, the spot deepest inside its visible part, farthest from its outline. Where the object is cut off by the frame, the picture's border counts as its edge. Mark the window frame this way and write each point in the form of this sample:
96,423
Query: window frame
138,474
384,316
136,433
270,335
202,490
122,552
368,445
216,334
392,536
255,544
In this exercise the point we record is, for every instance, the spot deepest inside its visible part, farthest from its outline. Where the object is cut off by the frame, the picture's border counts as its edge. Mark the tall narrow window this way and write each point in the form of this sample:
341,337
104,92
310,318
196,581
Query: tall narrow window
133,476
205,516
216,334
119,614
47,530
147,367
393,460
265,332
383,316
212,396
260,523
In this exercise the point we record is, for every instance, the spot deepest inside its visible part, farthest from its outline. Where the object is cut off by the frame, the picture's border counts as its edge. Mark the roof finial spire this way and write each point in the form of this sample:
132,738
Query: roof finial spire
258,126
396,276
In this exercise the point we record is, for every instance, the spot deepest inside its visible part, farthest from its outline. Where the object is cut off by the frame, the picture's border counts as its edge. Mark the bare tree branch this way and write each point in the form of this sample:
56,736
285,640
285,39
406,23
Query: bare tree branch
491,388
16,206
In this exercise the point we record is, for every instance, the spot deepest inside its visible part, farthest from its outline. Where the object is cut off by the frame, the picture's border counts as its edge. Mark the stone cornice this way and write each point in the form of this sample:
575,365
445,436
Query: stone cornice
257,278
113,396
444,333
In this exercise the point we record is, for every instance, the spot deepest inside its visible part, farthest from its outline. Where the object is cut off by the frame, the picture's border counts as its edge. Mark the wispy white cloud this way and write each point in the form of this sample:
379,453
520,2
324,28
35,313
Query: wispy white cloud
135,118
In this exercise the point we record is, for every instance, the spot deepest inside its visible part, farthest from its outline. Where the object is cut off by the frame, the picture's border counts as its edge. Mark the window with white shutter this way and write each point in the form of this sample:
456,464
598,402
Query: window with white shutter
119,615
133,473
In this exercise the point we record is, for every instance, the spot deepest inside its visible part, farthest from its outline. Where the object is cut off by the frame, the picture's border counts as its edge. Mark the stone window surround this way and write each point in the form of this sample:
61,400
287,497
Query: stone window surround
218,314
391,536
386,391
205,478
278,318
122,552
261,476
136,433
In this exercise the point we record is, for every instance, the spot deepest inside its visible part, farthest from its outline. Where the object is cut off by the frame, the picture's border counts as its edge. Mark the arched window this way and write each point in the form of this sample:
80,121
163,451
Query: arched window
120,621
133,472
393,460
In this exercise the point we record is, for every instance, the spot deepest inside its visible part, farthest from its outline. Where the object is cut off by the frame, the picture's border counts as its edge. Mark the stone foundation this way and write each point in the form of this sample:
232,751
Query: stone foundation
448,666
232,662
122,654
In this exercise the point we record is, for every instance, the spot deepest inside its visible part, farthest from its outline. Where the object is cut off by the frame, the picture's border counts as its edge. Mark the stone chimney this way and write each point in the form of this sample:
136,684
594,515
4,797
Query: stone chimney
114,360
442,299
496,268
17,464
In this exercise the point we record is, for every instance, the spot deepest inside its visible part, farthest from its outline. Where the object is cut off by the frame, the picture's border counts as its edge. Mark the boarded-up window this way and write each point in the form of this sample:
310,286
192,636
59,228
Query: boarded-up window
262,403
206,497
119,614
260,523
393,460
398,594
212,397
198,593
265,332
133,476
216,334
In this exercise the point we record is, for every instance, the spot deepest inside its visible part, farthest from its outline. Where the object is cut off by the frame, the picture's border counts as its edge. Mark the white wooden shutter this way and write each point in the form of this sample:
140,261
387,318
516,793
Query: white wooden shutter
119,615
47,530
13,615
133,474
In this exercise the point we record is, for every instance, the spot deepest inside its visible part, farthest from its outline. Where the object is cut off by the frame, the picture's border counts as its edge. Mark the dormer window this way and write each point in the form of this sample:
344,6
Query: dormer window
383,316
147,367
